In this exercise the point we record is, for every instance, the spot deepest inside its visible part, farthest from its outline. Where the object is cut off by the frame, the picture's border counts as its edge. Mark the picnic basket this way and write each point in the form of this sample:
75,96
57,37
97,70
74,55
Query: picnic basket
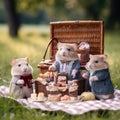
72,32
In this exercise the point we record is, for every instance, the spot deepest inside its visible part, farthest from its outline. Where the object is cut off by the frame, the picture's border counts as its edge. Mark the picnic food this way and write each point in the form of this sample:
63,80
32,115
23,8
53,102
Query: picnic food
48,76
40,96
85,96
73,90
34,96
54,97
53,93
65,98
83,49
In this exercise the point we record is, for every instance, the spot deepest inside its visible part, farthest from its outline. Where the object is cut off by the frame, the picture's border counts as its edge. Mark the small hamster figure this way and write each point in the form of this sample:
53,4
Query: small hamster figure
21,83
67,61
99,77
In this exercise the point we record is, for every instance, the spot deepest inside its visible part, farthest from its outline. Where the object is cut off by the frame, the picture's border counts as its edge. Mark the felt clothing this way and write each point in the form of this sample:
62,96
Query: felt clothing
18,90
68,67
27,80
103,85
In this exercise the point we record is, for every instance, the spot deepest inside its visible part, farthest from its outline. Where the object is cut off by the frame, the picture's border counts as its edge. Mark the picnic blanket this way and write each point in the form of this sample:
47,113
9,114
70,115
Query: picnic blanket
73,108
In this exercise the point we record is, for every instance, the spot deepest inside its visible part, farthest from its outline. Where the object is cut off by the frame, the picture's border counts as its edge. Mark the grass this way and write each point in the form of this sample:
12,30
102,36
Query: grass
31,43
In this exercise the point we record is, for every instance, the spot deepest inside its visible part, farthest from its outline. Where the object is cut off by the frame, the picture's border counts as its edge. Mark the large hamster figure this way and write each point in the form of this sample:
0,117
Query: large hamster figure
99,77
67,61
21,83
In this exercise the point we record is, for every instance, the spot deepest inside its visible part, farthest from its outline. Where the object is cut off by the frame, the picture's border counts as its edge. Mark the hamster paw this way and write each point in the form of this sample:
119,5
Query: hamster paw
74,73
52,68
93,78
32,81
20,82
84,76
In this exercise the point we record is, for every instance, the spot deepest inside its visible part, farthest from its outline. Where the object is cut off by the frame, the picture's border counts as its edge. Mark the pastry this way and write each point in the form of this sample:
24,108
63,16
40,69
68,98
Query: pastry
65,98
41,96
33,96
53,93
73,90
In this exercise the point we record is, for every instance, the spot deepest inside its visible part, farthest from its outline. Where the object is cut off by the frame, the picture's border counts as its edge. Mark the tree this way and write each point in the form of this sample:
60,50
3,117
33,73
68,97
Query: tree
114,15
93,7
13,7
12,17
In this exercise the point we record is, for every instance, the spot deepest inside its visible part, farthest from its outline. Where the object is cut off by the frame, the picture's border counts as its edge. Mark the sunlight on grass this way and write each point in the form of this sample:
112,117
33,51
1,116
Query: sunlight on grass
28,44
112,49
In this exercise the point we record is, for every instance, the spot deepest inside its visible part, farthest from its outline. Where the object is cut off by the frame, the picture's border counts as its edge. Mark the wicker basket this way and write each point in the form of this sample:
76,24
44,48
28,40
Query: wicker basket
73,32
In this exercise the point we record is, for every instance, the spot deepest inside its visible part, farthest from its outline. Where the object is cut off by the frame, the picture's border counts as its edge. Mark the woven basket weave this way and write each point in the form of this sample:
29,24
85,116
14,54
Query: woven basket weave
73,32
76,31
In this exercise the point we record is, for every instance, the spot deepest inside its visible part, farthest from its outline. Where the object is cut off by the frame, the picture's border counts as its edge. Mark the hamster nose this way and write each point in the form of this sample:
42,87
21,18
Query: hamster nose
25,69
63,53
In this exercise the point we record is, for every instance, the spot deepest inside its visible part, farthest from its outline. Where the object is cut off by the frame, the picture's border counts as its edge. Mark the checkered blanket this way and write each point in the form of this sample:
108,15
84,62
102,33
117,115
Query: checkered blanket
73,108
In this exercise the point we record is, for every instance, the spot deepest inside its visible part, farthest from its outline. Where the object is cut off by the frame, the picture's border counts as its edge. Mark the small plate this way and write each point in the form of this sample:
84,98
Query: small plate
37,100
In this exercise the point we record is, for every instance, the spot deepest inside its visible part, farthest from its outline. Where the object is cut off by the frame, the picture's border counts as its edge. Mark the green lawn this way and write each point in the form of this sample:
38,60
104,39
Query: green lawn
31,43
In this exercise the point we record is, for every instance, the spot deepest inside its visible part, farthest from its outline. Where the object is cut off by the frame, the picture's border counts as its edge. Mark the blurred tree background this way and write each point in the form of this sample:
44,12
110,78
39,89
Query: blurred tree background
17,12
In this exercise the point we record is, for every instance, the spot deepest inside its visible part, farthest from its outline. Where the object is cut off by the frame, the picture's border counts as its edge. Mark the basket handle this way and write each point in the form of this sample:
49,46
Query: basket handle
43,59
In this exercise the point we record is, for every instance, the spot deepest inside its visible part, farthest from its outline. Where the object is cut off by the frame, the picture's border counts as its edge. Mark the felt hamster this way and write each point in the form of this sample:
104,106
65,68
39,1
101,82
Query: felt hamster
99,77
21,83
66,60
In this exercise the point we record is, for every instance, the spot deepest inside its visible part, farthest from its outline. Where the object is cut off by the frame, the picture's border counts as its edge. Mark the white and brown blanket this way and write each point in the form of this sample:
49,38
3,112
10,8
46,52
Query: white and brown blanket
73,108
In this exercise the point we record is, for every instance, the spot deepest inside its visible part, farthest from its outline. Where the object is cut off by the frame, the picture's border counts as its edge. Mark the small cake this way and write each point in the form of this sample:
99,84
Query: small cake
84,49
54,98
41,80
40,96
33,96
53,93
62,78
73,91
65,98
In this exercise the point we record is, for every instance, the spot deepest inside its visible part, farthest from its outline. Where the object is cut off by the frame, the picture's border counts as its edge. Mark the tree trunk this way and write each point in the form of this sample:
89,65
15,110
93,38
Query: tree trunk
12,17
114,14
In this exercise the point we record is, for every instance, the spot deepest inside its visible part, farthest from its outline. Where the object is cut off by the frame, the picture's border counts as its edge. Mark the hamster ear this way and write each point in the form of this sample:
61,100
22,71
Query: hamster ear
27,59
74,46
13,61
59,44
104,57
91,56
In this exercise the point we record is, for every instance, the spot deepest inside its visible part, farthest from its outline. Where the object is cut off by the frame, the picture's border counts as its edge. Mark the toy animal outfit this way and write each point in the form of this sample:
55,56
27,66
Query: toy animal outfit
27,80
67,61
21,83
99,77
67,67
103,85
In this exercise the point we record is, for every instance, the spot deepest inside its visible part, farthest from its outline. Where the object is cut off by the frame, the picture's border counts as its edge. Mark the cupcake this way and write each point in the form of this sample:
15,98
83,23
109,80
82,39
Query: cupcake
84,49
73,91
53,93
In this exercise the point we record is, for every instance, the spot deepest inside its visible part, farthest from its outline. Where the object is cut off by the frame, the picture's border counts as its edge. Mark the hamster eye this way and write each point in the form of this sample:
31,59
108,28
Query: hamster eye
68,49
60,48
96,61
19,65
27,64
